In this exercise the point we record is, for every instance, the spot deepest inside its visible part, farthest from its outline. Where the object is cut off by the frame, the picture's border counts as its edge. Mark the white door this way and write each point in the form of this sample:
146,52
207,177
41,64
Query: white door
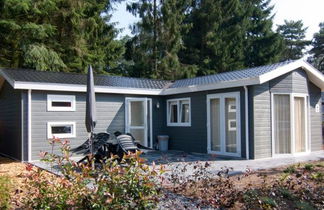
223,124
138,119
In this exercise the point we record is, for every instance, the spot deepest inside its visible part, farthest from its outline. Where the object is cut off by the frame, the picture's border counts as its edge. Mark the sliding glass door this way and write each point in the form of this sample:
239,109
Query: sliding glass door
289,123
223,112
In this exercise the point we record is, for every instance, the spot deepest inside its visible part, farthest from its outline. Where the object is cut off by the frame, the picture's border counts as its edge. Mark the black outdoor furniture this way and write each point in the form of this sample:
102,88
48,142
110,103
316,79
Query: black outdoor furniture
101,147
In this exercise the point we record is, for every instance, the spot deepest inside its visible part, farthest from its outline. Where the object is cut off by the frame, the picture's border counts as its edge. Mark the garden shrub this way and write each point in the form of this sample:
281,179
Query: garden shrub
5,189
125,184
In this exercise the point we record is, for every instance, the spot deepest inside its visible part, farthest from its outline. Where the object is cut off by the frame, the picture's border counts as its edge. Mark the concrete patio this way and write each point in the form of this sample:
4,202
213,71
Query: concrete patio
173,159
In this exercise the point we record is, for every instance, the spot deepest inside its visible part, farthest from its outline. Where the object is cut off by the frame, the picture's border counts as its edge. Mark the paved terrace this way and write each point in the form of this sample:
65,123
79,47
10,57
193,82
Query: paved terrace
175,159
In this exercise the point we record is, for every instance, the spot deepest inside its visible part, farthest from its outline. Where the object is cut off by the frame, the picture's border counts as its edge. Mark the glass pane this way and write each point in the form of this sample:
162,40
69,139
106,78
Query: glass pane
137,113
282,124
139,135
230,125
61,129
300,138
61,104
215,124
174,113
184,113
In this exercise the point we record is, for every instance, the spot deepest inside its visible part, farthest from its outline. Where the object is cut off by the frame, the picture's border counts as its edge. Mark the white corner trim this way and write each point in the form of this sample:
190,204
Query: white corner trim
60,98
29,125
247,123
63,135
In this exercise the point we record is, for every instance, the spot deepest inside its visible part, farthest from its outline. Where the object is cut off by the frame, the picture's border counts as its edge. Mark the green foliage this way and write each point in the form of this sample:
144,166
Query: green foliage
290,169
309,166
128,184
293,33
317,51
5,189
41,58
318,176
64,35
158,39
267,202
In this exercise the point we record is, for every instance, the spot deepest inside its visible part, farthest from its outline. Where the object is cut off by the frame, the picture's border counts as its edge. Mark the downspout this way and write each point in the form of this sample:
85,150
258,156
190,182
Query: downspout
29,125
247,152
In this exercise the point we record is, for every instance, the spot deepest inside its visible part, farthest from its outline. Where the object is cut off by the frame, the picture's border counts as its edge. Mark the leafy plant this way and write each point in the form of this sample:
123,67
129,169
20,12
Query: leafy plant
309,167
268,202
318,176
113,184
5,189
290,169
304,205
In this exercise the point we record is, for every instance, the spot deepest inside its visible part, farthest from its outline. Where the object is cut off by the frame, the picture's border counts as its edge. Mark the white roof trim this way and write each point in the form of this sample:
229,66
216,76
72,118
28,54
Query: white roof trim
213,86
83,88
313,74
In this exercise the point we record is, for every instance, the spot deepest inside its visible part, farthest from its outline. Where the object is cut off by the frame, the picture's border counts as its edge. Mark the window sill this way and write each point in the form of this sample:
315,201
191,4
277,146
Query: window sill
179,124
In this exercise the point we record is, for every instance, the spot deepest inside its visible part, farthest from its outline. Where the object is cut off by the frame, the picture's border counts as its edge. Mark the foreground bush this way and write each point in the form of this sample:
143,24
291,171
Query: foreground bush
114,185
5,189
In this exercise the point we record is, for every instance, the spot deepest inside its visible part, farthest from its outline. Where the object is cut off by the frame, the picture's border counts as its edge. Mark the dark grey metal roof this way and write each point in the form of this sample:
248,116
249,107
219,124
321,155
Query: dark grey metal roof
26,75
228,76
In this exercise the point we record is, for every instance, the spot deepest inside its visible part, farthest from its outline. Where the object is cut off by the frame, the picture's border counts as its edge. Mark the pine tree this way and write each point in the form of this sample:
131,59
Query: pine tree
262,45
158,39
293,33
317,51
57,35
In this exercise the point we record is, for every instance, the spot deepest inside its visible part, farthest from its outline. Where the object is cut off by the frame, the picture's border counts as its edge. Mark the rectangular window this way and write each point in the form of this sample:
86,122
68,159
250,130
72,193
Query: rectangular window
60,103
61,130
178,112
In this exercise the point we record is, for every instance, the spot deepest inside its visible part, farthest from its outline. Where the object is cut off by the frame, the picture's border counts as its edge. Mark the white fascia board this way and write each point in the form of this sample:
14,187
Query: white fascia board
214,86
83,88
314,75
9,80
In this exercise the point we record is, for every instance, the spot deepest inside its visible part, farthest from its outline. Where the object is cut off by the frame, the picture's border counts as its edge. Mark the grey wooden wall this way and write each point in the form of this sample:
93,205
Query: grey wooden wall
10,122
293,82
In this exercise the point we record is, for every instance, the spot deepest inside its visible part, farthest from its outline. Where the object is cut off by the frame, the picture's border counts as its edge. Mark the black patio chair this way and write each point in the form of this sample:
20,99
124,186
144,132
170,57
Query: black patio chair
101,147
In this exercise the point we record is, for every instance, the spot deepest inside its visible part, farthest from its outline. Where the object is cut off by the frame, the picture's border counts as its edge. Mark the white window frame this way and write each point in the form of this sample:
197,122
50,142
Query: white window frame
63,135
60,98
222,97
179,111
292,124
230,128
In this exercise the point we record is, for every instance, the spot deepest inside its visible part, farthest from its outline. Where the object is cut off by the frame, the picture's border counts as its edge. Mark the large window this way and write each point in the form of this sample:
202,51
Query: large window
61,129
178,112
289,123
60,103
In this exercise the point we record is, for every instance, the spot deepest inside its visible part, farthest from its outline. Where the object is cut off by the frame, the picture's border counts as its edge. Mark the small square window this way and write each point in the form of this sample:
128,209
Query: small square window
60,103
231,107
232,125
61,129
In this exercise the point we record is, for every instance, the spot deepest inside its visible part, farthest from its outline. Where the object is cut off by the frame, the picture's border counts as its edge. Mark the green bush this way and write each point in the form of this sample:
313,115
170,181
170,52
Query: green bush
5,189
125,184
309,167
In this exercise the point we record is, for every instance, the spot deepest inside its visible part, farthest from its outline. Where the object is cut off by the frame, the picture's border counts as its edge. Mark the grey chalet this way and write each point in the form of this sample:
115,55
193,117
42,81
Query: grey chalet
253,113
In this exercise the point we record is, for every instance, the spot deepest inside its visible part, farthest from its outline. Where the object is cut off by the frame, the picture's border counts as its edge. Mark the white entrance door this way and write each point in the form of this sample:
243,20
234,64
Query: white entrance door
138,119
223,124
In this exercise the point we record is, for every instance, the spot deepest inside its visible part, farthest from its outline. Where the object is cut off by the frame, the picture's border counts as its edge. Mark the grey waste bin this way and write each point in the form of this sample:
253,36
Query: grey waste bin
163,142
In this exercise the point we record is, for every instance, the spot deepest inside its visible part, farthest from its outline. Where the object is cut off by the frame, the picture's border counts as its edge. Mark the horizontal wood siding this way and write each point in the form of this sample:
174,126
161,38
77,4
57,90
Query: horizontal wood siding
316,118
110,117
10,122
261,120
